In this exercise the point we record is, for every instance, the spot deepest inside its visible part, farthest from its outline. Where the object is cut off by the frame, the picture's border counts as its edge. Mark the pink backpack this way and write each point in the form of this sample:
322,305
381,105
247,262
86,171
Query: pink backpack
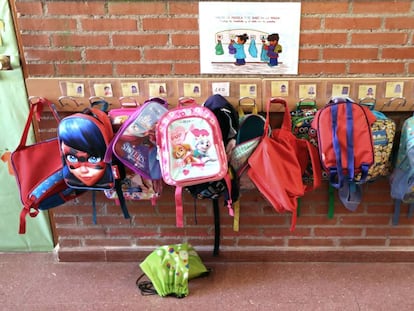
190,148
134,147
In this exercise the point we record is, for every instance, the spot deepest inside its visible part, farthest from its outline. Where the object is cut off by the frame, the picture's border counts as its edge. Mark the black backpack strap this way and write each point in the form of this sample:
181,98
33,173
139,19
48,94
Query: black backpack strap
216,209
121,198
94,207
396,215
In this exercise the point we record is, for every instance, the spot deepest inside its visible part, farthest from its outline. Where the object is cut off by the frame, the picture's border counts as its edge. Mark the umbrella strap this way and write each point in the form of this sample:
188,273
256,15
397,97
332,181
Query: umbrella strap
146,287
216,209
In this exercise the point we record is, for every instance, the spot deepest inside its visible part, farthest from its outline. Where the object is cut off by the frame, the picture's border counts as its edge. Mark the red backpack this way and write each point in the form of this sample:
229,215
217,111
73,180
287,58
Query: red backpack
343,130
279,163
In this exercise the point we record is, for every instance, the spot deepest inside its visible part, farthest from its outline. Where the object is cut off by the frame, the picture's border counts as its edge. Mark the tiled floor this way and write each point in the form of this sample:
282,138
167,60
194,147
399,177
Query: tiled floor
36,281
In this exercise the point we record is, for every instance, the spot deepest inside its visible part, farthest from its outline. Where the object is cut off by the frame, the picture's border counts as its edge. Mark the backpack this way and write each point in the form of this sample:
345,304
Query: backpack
402,177
128,105
83,140
278,163
345,143
38,169
383,133
302,117
134,150
228,187
249,135
190,149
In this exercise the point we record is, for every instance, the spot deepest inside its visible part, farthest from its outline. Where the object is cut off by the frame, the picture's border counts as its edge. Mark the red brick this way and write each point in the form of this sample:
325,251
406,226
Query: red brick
184,40
169,24
52,55
381,7
322,68
65,220
65,242
186,68
84,70
399,23
40,69
137,8
350,53
107,24
96,231
398,53
362,242
75,7
107,242
68,40
28,8
139,40
338,231
112,55
47,24
324,7
405,242
245,242
377,68
309,54
164,241
172,54
299,232
323,38
133,232
183,7
35,40
379,38
310,242
359,23
143,69
312,219
310,23
390,231
364,220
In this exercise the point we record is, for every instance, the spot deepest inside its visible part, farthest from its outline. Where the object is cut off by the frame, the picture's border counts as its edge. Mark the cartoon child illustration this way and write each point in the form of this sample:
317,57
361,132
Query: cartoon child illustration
273,49
240,54
83,148
202,145
184,153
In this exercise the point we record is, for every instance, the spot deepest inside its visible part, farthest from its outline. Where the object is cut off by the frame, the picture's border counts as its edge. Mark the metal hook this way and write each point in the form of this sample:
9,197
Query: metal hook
132,103
61,100
402,102
368,101
252,101
32,98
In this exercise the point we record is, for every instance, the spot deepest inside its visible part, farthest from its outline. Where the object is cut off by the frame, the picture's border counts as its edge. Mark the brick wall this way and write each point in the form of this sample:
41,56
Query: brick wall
117,38
160,39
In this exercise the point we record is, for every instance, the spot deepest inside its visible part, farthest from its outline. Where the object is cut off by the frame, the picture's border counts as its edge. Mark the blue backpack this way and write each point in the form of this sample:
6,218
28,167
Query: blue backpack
402,177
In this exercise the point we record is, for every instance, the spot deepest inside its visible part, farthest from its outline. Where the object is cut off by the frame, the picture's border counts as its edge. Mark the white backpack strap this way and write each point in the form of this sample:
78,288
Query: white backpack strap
179,214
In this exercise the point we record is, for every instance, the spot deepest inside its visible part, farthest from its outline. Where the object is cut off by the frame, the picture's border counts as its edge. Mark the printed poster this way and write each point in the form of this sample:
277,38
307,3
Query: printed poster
249,37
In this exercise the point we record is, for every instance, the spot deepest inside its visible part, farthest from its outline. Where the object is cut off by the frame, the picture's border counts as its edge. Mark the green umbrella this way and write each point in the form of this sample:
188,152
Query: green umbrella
169,268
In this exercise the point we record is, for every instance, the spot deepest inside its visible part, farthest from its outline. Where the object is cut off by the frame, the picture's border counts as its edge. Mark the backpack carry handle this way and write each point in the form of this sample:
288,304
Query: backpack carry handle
368,102
247,102
64,100
159,100
99,101
287,121
307,102
185,101
131,103
36,108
